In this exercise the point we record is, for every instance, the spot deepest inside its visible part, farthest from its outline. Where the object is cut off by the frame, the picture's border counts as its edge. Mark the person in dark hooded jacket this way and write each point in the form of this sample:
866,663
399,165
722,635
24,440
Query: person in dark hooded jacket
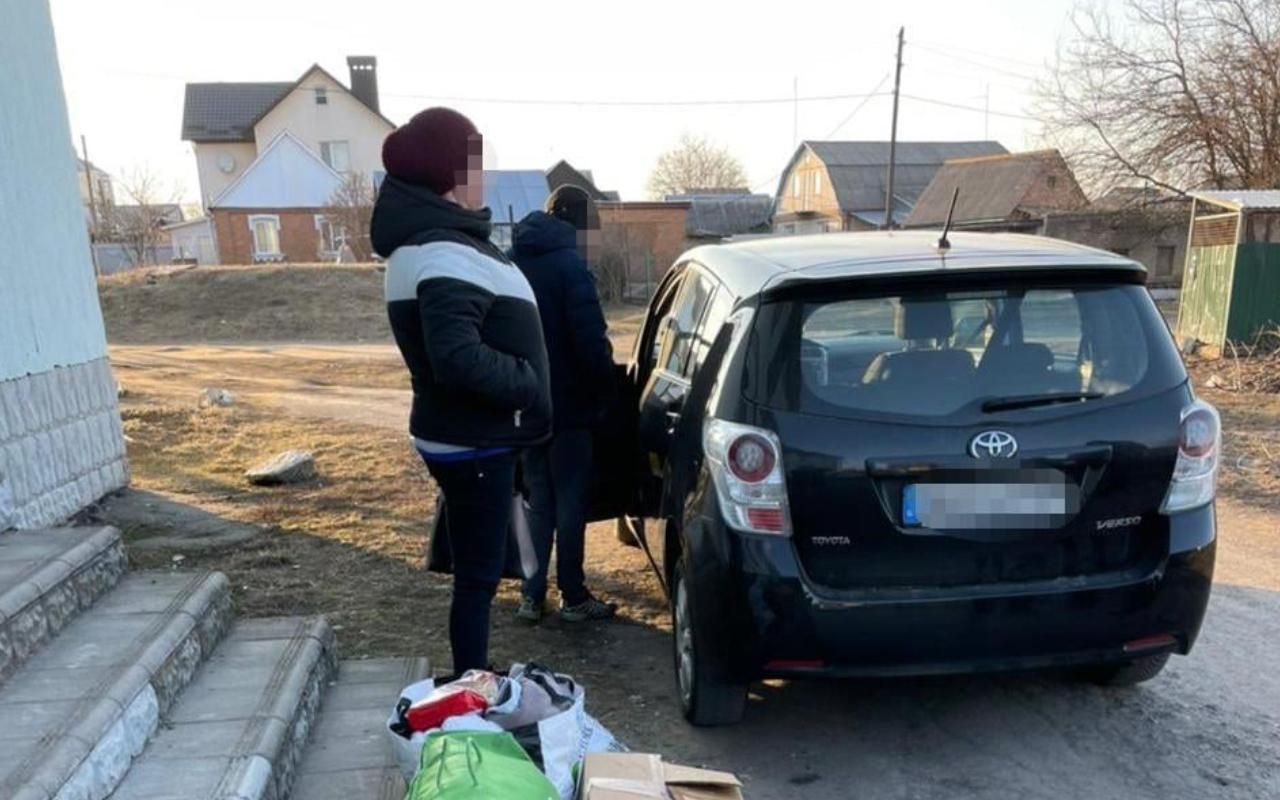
466,323
549,247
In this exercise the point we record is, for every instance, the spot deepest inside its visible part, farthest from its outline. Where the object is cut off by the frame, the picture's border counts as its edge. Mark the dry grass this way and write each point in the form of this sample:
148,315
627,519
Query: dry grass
295,303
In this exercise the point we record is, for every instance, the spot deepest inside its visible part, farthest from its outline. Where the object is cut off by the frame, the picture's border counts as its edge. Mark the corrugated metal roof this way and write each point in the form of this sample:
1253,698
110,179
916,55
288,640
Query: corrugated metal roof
1266,199
513,193
854,154
993,188
722,215
225,112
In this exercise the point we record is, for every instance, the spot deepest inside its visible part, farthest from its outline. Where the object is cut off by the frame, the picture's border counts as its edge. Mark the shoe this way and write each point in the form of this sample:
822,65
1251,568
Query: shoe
530,611
590,610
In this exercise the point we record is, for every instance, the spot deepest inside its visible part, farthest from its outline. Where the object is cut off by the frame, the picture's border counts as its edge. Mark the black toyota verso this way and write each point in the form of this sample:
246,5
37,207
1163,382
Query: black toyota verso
870,455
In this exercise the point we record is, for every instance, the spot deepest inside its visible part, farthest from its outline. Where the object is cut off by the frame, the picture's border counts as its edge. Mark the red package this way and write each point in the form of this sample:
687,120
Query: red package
448,701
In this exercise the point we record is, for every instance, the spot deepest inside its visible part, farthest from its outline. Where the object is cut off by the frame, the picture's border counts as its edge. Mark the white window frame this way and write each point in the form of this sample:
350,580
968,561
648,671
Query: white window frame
336,233
262,255
795,184
817,182
322,95
327,151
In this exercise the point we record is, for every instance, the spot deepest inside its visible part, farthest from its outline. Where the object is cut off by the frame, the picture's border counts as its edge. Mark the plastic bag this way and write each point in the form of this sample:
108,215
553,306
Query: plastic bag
464,766
475,691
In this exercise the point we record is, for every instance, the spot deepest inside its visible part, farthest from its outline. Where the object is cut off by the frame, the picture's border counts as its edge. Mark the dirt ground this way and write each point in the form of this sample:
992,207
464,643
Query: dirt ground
349,545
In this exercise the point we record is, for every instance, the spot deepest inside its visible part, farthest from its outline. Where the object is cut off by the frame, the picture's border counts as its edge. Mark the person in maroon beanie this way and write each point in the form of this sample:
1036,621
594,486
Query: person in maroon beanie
466,323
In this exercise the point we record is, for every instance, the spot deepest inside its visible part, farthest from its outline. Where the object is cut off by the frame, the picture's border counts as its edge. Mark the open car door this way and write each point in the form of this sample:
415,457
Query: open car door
613,459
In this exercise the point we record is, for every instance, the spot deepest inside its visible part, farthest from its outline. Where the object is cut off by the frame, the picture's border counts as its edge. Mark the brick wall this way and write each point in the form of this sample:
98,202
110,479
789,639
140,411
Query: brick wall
651,236
299,239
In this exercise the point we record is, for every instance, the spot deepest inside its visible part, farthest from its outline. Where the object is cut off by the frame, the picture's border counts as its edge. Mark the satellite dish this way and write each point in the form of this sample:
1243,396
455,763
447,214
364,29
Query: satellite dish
227,162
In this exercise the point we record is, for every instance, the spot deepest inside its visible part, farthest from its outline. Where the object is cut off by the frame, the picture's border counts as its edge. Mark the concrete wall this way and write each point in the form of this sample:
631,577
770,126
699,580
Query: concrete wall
213,181
342,118
1138,233
61,447
299,237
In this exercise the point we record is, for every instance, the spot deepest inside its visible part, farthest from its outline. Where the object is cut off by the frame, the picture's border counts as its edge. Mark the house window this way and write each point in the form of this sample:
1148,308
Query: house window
266,237
817,183
337,155
795,184
1164,260
332,237
1052,181
322,96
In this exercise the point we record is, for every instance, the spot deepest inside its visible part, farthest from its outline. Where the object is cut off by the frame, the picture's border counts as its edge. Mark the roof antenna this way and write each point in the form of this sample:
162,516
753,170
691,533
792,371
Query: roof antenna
943,242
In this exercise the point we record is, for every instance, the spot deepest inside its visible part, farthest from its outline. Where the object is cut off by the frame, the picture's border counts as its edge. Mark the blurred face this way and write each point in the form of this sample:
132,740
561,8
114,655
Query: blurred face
470,189
589,244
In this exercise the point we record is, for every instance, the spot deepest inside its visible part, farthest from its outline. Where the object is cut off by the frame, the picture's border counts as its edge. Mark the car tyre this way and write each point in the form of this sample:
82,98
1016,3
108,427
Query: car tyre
706,697
1129,673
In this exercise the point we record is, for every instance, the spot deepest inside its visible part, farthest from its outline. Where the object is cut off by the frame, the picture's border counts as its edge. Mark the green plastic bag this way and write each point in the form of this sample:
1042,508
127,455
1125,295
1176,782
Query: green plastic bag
475,765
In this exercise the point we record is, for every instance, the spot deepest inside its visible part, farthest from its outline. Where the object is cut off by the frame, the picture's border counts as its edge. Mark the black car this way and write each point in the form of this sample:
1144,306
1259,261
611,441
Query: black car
868,455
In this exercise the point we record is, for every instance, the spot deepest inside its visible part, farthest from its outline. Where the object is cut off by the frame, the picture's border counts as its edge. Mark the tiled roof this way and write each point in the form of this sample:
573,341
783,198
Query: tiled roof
226,112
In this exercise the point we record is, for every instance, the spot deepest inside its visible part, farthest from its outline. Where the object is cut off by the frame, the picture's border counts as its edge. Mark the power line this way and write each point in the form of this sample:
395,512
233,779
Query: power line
866,98
518,101
948,104
997,70
981,54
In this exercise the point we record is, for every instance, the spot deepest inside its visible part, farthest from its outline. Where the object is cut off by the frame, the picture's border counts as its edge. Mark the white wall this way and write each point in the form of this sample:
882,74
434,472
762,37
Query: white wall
49,314
213,181
342,118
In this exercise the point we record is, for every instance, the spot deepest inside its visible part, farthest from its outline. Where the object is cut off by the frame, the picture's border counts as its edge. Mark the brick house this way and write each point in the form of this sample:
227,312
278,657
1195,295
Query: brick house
645,237
1007,192
247,137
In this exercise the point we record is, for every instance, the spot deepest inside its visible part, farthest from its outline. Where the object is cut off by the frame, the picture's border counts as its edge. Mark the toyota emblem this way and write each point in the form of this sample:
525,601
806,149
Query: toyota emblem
993,444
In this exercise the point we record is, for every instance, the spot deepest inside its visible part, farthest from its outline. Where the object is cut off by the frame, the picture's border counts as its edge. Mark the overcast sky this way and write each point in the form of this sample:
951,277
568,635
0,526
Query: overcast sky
124,63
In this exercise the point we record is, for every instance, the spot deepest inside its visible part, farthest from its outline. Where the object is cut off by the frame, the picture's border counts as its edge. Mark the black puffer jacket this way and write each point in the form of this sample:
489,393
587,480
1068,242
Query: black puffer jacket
465,321
578,348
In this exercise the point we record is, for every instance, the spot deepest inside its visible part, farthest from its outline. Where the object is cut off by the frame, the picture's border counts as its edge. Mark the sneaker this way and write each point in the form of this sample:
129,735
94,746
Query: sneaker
589,610
530,611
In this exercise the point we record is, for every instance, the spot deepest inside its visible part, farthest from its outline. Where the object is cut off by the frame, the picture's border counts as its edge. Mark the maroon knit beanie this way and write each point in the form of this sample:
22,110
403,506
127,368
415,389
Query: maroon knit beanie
431,149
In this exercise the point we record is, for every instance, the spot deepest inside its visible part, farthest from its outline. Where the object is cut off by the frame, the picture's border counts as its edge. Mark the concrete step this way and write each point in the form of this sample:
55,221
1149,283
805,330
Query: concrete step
78,712
47,577
239,730
349,755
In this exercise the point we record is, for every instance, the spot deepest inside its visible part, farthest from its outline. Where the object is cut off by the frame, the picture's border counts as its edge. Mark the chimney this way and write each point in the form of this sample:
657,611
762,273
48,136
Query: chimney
364,79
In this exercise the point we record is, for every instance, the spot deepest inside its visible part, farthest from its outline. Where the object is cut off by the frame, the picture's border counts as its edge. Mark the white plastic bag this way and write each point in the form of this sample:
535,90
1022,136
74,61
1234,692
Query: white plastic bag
408,751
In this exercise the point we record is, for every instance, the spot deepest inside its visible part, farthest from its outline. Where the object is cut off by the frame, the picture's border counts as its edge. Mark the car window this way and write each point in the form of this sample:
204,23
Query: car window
660,310
938,353
680,332
717,312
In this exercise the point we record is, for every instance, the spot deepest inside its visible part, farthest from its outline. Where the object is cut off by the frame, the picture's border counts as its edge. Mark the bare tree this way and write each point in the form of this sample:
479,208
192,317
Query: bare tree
138,224
695,164
349,212
1177,93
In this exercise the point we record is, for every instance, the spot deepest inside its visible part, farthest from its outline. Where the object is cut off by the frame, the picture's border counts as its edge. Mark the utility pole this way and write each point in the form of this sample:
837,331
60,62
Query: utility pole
93,206
893,139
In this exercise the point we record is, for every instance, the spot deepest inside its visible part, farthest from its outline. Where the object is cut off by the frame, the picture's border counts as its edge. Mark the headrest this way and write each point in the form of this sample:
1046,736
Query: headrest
923,318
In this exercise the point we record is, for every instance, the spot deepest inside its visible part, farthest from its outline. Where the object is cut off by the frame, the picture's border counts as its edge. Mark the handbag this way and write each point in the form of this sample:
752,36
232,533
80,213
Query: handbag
521,558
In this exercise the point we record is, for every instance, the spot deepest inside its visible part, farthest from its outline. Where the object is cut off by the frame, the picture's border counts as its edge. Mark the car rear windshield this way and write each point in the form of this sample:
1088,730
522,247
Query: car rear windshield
937,352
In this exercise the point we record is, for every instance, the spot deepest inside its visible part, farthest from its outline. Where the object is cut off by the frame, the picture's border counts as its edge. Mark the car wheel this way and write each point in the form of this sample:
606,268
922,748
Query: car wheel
624,531
1130,673
705,697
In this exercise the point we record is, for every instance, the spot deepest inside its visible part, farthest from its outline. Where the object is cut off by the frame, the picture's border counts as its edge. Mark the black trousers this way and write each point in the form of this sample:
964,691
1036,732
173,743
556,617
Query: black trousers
558,475
477,495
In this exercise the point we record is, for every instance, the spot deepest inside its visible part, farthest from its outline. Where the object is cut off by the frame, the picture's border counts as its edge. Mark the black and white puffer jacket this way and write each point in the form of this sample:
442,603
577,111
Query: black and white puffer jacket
466,323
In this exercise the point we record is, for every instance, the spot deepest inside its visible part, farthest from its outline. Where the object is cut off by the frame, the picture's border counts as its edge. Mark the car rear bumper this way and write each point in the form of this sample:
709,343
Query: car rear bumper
774,622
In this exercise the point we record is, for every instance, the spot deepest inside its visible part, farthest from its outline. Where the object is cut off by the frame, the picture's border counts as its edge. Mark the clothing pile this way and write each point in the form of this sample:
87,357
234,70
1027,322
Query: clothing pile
521,735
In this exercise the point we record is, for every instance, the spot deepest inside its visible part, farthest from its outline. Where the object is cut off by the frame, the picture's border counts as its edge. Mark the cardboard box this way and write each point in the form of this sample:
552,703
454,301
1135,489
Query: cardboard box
633,776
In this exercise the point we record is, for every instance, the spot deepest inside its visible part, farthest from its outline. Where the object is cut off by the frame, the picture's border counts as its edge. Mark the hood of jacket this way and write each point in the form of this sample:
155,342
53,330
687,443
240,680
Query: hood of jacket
408,214
540,233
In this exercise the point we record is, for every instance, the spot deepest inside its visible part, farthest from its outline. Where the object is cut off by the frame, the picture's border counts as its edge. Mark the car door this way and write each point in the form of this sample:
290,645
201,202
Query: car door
616,463
681,344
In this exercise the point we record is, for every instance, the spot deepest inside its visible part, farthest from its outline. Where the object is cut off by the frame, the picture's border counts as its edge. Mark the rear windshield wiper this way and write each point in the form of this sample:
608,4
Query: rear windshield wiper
1033,400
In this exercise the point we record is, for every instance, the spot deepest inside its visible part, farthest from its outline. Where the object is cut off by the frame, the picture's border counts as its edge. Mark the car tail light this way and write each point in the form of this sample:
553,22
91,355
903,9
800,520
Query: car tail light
746,465
1195,475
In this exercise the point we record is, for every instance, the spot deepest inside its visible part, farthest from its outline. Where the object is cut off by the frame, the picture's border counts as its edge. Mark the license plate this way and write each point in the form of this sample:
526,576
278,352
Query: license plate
968,506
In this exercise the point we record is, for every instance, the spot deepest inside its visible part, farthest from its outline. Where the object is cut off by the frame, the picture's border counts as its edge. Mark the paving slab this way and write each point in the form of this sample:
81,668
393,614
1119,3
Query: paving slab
349,755
75,714
248,711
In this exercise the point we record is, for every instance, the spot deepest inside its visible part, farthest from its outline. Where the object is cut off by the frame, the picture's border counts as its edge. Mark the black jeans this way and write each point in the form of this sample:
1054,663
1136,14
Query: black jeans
477,494
558,476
